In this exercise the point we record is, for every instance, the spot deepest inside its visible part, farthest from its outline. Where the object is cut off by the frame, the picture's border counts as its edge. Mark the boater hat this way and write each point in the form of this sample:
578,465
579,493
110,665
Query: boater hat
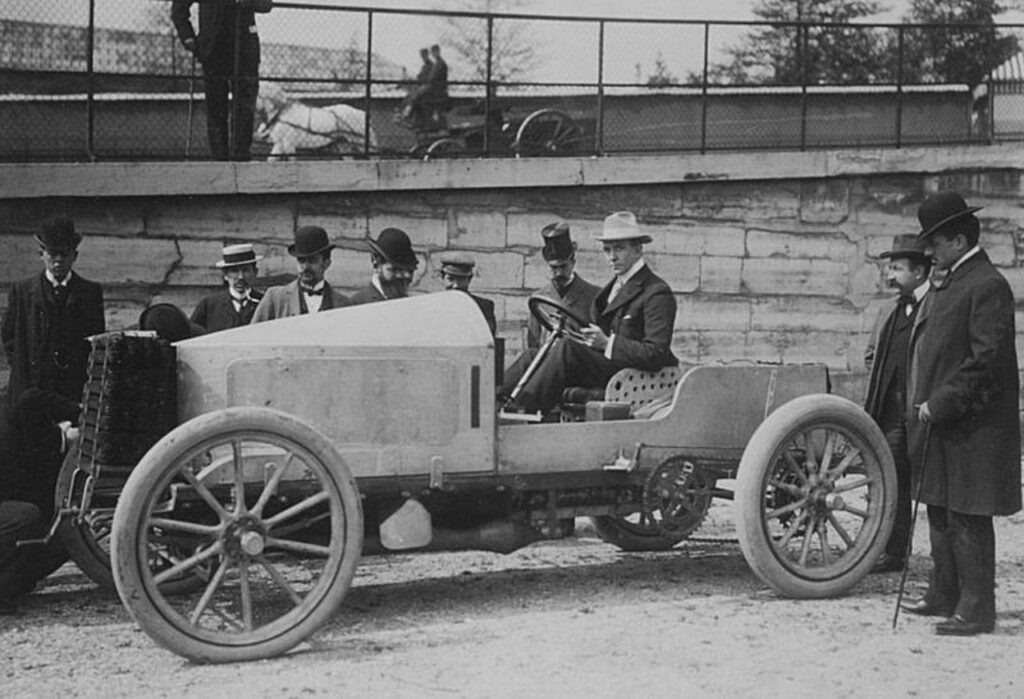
309,240
906,245
237,256
59,234
940,209
557,242
393,245
457,264
622,225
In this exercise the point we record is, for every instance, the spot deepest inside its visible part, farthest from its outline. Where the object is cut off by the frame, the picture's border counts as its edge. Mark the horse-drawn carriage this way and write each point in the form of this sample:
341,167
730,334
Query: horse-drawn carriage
294,447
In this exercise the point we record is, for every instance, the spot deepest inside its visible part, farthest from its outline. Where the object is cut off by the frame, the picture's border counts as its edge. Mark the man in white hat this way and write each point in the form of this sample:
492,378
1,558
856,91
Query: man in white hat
235,304
632,319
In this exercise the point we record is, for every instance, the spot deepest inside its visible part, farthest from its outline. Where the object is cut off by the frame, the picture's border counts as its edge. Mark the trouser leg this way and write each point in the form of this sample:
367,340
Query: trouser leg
18,521
215,87
896,436
516,370
943,586
568,364
973,543
243,97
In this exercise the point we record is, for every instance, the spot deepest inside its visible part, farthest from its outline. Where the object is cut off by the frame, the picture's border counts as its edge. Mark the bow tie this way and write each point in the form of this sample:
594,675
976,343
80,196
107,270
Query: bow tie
313,292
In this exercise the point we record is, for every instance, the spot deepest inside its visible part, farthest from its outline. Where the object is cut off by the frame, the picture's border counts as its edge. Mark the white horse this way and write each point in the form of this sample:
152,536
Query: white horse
290,126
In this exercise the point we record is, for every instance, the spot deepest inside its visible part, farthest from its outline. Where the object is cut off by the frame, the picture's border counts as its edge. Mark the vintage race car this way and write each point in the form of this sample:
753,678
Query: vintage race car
304,443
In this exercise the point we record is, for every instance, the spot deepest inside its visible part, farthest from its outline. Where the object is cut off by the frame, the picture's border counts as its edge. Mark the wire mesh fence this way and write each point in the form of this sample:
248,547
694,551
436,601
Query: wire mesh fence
118,79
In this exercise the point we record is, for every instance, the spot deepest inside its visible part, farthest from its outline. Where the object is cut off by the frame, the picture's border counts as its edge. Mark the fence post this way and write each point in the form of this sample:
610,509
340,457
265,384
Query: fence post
90,116
488,86
704,93
369,82
899,88
802,45
599,143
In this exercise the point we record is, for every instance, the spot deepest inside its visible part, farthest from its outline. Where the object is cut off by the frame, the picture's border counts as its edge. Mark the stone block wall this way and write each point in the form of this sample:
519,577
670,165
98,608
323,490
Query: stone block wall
772,257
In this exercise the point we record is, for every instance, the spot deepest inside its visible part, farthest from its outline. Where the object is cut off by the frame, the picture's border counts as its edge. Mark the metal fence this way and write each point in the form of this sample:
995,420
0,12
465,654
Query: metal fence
111,79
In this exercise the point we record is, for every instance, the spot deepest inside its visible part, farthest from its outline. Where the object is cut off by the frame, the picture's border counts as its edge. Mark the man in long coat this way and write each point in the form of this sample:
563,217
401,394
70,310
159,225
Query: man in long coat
310,293
48,317
632,320
886,357
964,424
235,304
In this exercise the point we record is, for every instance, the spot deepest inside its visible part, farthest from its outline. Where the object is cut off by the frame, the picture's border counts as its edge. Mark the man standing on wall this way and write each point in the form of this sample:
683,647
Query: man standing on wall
964,427
886,359
309,293
394,263
49,316
235,304
228,48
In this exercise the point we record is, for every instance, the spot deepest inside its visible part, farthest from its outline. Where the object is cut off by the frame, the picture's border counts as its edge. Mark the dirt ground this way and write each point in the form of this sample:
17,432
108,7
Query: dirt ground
572,618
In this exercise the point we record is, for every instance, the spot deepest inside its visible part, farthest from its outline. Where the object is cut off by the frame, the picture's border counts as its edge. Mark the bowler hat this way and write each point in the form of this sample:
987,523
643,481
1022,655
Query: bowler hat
906,245
457,264
622,225
309,240
557,242
169,322
940,209
59,234
393,245
237,256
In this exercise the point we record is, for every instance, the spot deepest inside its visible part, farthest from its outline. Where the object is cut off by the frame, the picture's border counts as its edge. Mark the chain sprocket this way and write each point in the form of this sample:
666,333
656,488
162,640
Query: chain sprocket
676,496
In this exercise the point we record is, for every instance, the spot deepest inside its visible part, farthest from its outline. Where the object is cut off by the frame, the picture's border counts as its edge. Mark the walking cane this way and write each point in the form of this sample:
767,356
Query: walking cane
191,107
913,522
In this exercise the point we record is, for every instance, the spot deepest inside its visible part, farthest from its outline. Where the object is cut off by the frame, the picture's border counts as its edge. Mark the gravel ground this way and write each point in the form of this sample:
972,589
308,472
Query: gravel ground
572,618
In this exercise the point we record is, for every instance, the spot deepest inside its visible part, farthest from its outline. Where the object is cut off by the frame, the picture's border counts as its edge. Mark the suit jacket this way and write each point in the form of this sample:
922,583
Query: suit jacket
641,316
487,308
217,311
217,29
964,364
285,301
578,298
32,337
368,294
880,362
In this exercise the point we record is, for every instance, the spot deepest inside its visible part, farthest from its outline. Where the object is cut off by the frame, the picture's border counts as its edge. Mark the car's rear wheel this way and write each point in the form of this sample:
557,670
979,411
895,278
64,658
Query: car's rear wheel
270,518
815,497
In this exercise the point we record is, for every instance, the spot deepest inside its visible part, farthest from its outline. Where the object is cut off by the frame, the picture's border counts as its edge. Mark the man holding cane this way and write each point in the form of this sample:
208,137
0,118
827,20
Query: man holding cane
964,429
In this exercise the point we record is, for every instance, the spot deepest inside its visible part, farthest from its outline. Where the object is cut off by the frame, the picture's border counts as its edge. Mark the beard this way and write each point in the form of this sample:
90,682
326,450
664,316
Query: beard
395,288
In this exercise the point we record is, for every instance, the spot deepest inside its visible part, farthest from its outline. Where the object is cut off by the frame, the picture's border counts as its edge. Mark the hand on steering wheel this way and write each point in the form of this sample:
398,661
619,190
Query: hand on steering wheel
553,316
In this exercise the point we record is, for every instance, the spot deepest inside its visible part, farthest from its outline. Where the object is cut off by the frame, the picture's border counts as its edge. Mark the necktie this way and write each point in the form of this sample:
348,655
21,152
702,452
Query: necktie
616,288
907,304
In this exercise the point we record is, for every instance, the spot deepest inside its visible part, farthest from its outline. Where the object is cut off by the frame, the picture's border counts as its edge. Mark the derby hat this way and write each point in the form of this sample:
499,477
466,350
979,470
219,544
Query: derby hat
309,240
169,322
622,225
941,209
457,264
394,246
906,245
557,242
237,256
59,234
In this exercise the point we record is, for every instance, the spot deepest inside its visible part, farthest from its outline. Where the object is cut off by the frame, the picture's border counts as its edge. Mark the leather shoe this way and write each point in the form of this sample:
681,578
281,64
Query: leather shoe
924,608
956,625
887,563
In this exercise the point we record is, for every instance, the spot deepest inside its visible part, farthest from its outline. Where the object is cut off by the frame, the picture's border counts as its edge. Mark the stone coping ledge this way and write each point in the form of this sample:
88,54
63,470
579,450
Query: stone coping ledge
129,179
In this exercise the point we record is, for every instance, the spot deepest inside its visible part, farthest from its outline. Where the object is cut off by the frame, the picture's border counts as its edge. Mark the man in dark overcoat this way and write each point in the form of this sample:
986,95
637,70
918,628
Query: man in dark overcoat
632,320
310,292
228,48
394,264
964,422
49,316
886,357
566,287
235,304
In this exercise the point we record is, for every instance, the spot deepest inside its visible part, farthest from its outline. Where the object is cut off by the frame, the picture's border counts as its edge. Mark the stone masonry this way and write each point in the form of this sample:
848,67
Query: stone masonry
771,259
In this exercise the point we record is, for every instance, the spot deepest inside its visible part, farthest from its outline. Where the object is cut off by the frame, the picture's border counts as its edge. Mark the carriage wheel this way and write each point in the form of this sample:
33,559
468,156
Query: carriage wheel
547,132
815,497
86,538
445,148
271,517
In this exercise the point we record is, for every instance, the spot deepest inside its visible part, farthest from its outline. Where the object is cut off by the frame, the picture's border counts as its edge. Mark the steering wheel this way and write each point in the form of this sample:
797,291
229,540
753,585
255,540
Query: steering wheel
553,316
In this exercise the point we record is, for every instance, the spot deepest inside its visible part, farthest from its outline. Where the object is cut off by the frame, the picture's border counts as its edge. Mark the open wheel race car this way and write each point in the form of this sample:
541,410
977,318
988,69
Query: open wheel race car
301,444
